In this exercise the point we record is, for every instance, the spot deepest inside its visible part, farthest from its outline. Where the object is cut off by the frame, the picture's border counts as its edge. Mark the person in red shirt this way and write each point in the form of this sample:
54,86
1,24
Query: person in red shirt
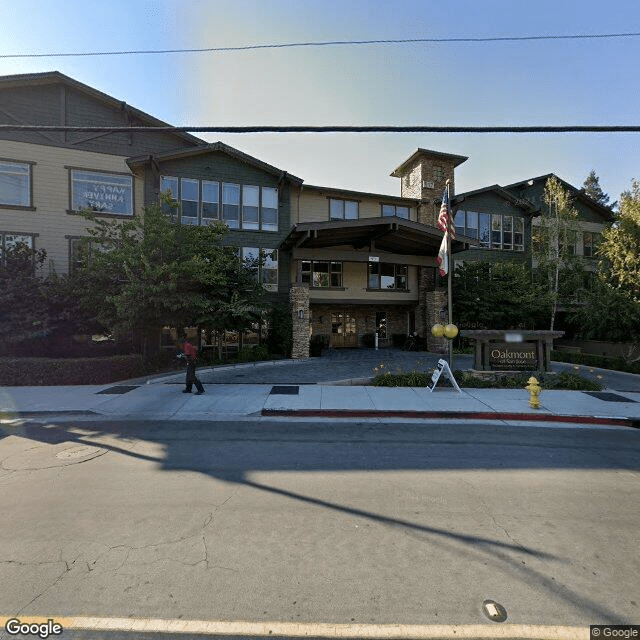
191,355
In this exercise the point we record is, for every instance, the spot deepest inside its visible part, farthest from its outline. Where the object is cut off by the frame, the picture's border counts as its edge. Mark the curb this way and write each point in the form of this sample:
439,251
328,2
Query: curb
451,415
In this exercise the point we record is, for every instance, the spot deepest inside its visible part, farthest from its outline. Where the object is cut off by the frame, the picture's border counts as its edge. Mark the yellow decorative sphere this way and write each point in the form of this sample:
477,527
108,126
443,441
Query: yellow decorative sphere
437,331
450,331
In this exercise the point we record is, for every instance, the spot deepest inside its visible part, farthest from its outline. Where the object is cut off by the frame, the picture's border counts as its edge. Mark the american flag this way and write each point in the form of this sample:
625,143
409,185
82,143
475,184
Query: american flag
445,223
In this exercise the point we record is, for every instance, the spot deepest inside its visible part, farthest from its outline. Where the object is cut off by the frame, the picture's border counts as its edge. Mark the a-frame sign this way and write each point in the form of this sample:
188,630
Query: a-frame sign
442,367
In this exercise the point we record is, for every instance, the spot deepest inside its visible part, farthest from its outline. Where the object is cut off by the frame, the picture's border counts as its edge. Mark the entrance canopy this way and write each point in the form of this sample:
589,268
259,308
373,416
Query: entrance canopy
393,234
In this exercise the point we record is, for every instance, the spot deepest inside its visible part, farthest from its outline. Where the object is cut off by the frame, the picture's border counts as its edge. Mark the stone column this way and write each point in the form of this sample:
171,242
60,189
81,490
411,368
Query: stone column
299,298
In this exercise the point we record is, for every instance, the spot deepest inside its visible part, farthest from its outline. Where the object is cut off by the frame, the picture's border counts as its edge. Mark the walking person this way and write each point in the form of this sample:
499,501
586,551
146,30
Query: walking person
191,355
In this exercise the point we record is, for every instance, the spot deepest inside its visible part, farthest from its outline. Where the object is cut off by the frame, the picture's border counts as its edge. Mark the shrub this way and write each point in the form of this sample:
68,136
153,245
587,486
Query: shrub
592,360
254,353
68,371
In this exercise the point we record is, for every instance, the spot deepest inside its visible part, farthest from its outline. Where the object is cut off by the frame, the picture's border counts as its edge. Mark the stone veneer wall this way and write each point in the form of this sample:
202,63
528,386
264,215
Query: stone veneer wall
299,297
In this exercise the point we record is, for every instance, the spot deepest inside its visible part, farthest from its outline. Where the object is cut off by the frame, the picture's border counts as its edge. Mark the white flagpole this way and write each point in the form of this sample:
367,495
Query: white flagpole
449,277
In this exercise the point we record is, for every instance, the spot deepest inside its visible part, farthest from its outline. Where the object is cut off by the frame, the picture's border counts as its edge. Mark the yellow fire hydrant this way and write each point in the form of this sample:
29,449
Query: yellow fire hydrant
534,389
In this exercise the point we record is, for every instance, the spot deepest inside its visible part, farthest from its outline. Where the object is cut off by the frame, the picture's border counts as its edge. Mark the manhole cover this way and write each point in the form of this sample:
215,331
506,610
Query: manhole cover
608,396
285,390
47,456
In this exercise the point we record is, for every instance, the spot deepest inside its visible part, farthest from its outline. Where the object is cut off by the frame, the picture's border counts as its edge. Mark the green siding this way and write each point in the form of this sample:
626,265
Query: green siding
220,167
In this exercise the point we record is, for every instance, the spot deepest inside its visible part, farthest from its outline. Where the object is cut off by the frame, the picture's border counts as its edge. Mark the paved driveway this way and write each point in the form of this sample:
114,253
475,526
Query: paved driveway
347,364
338,364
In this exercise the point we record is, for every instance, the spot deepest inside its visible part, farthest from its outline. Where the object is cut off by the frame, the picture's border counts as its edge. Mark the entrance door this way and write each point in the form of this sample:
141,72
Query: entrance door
343,330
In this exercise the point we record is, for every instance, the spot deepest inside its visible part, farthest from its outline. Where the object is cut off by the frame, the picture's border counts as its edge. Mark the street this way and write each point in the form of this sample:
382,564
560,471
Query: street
319,522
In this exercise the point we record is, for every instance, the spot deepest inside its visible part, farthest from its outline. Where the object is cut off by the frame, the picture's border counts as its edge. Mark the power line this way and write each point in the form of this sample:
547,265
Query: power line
330,43
329,129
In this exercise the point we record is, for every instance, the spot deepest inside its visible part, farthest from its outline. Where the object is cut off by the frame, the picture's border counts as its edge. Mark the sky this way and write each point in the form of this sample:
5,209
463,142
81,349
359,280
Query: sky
561,82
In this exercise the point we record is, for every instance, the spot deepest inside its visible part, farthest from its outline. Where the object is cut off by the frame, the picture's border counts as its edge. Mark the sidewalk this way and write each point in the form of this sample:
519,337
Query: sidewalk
162,398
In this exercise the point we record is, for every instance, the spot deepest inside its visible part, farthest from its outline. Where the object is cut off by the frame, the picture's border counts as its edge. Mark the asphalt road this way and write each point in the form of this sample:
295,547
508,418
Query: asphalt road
320,522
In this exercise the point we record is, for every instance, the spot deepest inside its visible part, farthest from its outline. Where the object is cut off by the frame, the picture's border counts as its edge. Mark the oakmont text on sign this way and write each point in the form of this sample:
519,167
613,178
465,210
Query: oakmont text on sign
510,357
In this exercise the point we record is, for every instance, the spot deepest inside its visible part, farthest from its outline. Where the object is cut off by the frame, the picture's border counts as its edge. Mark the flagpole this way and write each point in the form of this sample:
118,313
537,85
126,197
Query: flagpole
449,280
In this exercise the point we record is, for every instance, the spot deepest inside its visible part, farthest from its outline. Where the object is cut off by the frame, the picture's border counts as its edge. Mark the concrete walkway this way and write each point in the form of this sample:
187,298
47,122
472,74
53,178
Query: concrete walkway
308,389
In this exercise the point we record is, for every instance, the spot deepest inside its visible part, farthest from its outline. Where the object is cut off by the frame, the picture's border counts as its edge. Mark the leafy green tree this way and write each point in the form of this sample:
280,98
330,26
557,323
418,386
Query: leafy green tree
148,272
619,250
555,235
280,334
23,307
592,188
499,295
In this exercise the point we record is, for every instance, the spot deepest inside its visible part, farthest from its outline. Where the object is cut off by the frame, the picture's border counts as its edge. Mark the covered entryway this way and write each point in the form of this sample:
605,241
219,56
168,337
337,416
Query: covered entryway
344,330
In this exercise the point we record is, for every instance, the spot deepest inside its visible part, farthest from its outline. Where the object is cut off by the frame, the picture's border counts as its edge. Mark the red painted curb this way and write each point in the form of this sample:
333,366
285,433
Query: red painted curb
462,415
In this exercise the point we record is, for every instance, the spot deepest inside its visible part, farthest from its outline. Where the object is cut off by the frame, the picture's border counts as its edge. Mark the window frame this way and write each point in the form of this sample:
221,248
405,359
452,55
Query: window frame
29,165
395,208
343,202
3,236
102,172
263,255
334,268
397,276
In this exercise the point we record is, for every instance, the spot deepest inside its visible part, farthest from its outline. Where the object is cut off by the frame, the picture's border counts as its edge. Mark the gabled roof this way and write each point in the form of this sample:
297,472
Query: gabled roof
393,235
604,212
402,169
55,77
218,147
501,192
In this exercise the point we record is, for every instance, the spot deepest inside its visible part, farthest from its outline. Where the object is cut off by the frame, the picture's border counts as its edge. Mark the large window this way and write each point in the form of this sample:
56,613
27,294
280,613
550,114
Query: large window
322,273
590,242
389,210
494,231
238,206
384,275
109,193
15,183
263,263
9,241
343,209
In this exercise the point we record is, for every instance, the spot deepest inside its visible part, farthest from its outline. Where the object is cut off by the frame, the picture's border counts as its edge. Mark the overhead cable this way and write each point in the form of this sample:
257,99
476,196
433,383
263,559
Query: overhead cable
329,129
330,43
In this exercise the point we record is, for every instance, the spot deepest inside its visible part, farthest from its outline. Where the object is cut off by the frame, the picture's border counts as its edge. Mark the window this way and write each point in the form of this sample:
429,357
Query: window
485,230
389,210
507,232
231,205
343,209
384,275
189,201
267,272
171,185
243,206
270,270
590,241
109,193
250,207
79,249
518,234
15,183
269,209
9,241
496,231
322,273
210,200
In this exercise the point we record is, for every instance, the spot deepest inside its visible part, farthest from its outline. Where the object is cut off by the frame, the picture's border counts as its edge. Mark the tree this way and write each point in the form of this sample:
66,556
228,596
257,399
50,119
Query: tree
592,188
23,308
149,272
619,250
559,271
499,295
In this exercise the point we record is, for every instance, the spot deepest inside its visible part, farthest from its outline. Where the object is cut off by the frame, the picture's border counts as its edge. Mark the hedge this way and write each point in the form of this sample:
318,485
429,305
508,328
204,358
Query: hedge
67,371
592,360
